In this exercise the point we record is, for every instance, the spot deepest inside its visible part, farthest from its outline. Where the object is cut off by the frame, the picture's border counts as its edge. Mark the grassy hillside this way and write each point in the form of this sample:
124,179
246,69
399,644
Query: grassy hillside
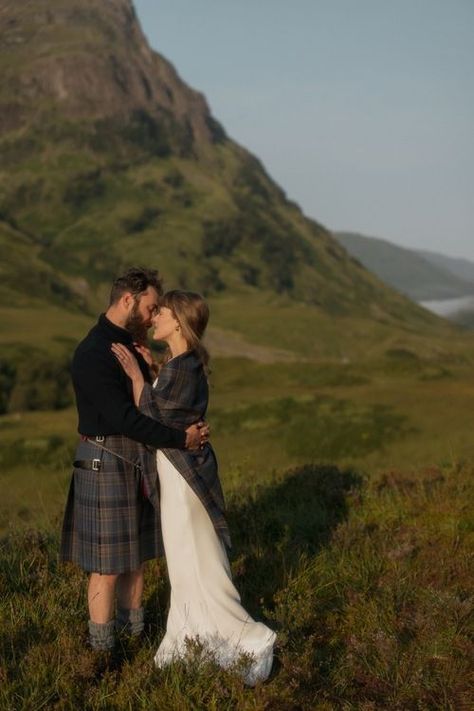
350,499
368,584
36,343
86,187
218,226
402,411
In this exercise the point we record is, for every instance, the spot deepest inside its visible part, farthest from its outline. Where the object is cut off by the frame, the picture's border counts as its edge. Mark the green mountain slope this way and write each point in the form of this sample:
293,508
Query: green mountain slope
414,273
108,158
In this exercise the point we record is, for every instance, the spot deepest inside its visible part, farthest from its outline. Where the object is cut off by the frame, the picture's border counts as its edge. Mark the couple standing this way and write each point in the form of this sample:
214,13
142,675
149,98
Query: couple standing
145,480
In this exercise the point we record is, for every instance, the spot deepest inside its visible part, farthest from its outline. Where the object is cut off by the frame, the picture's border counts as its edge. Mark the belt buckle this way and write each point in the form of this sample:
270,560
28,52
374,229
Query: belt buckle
96,465
100,439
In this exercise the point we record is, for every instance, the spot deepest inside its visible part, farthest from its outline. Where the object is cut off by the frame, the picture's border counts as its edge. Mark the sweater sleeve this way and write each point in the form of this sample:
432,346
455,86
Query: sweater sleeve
99,378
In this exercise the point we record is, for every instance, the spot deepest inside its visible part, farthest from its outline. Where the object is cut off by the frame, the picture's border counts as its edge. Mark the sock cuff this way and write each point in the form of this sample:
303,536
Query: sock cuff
102,634
130,621
133,615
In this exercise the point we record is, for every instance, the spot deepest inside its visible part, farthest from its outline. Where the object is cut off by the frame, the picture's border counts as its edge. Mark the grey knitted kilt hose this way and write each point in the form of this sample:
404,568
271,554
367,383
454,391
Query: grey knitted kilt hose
110,526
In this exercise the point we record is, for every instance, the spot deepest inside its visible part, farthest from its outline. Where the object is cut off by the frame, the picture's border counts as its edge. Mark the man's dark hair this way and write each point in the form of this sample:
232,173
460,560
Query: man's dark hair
135,280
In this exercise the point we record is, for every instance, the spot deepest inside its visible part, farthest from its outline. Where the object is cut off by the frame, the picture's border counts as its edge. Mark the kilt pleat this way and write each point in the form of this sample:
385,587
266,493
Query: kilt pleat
110,526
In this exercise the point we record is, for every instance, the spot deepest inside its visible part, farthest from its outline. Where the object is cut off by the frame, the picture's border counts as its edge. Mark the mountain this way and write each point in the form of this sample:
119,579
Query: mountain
107,159
461,268
422,276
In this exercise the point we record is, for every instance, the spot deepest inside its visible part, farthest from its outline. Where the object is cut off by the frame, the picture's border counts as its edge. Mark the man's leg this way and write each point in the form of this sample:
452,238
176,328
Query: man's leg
130,614
101,599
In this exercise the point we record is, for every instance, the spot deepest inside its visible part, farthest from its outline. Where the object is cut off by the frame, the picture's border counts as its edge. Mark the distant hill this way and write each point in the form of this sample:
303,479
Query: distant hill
422,276
461,268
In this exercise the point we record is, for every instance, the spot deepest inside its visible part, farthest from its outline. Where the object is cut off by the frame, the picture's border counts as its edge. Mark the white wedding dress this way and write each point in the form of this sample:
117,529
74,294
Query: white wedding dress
205,604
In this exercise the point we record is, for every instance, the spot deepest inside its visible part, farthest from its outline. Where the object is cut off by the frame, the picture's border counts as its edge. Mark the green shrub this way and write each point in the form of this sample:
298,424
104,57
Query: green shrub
7,383
221,237
84,188
249,272
210,280
142,221
319,428
174,178
34,380
53,451
148,134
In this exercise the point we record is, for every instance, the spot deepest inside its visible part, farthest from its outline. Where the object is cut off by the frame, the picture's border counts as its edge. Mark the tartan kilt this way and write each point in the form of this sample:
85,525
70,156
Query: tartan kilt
110,526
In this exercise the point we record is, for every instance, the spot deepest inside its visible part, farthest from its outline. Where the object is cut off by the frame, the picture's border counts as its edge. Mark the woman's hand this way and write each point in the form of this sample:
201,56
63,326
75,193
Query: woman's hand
130,365
145,352
128,361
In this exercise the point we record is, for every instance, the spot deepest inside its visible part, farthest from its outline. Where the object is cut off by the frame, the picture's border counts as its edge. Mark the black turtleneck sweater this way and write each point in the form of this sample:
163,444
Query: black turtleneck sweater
104,393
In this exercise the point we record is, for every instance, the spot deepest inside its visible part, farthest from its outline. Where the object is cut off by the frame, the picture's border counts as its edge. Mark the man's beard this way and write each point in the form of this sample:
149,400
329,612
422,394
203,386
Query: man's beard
135,324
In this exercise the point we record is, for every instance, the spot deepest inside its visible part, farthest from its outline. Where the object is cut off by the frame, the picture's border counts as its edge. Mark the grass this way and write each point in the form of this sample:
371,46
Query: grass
266,418
57,327
351,514
368,584
356,549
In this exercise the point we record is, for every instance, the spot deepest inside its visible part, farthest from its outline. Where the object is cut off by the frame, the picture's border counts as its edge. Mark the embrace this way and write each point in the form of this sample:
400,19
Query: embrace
145,480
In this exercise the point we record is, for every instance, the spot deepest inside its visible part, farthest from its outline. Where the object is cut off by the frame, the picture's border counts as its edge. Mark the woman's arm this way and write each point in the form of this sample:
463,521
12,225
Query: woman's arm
177,398
130,365
151,400
156,401
147,356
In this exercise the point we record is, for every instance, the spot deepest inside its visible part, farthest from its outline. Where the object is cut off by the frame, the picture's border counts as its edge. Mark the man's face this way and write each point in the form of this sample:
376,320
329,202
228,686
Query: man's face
141,313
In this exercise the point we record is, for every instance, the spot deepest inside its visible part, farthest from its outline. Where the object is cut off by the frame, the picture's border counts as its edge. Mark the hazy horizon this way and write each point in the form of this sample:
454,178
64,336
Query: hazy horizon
363,115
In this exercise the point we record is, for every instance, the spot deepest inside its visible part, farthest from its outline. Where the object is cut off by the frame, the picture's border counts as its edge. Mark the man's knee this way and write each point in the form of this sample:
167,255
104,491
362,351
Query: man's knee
103,581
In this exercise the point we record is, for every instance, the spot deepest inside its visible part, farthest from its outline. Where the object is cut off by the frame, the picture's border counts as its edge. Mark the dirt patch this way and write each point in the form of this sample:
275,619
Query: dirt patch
228,344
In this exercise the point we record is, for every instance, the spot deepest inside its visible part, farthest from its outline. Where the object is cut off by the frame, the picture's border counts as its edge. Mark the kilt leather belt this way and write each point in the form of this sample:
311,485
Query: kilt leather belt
94,465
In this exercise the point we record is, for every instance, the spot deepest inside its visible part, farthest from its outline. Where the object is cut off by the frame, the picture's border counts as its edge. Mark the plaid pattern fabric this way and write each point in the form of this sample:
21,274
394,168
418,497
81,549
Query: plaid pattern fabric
178,399
110,526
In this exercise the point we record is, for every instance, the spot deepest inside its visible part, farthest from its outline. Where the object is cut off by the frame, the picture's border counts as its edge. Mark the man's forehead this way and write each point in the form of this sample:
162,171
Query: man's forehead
150,296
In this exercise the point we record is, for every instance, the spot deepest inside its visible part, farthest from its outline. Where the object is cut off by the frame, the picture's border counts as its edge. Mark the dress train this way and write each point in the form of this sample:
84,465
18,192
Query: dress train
205,604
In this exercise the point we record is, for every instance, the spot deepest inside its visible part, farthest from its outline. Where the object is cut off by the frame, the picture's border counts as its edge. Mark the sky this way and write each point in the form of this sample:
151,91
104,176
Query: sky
361,110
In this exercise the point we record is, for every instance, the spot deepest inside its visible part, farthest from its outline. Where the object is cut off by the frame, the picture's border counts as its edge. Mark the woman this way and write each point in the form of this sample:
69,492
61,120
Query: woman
204,602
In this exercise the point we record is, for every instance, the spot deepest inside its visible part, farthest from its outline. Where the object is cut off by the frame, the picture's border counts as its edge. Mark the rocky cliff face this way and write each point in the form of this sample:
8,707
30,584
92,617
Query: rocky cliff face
88,59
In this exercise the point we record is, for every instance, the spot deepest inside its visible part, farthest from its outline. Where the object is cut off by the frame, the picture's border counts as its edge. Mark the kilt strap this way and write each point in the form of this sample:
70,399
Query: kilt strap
94,465
99,443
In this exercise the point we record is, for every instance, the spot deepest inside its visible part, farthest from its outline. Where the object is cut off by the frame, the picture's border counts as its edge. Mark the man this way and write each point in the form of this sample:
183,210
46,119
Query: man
110,525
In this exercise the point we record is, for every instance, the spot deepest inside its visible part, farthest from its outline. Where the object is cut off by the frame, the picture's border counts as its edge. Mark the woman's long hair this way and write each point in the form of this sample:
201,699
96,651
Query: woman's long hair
192,314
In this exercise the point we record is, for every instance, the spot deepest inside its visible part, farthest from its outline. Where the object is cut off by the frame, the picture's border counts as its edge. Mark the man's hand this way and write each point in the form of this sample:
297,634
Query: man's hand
197,435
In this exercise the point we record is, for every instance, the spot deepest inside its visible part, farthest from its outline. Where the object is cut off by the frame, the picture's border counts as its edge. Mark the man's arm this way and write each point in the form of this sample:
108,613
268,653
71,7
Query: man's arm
98,377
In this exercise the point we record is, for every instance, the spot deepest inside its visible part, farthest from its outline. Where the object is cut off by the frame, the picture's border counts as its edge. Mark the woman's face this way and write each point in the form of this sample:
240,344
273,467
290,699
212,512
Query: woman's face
164,323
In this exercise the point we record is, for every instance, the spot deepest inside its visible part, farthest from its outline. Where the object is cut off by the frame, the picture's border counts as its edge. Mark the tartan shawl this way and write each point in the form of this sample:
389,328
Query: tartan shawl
178,398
